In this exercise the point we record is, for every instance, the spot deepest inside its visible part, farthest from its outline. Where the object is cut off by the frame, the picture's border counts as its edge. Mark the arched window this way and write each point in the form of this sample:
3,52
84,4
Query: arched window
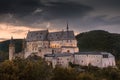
40,50
52,51
68,51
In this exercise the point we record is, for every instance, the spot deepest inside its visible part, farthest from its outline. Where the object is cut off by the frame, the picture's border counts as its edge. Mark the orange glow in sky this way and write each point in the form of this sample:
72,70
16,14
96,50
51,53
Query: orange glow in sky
17,32
6,31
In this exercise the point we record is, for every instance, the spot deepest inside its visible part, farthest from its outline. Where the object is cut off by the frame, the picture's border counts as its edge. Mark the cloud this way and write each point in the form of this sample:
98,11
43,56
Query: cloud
2,39
91,22
66,10
28,12
19,7
82,14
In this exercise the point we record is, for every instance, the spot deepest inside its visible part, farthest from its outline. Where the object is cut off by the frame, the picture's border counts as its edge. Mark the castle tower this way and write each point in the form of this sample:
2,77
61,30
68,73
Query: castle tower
11,49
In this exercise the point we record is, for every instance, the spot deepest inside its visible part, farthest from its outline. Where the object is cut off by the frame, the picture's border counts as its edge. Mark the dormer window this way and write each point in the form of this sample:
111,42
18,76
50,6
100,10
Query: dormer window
40,33
39,36
105,55
68,51
36,33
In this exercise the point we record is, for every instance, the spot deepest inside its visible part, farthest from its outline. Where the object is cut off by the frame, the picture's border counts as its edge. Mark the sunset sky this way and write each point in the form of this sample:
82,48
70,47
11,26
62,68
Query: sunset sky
19,16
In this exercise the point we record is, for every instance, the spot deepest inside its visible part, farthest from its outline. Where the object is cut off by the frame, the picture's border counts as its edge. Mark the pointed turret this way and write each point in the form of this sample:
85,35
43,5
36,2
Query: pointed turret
11,41
67,27
11,49
67,31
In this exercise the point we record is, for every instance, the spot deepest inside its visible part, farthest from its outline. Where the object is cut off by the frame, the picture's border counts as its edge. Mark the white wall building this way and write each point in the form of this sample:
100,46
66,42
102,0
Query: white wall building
59,59
98,59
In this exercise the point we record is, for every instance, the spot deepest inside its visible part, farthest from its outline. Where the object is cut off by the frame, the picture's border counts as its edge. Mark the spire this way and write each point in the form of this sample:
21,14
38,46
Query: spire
67,31
11,41
67,26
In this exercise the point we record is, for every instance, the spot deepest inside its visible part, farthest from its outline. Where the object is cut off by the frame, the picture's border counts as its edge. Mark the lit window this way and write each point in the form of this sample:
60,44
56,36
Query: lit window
82,61
40,50
68,51
97,60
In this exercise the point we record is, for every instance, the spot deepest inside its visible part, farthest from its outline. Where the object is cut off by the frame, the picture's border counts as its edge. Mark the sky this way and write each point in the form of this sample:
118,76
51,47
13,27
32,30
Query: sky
17,17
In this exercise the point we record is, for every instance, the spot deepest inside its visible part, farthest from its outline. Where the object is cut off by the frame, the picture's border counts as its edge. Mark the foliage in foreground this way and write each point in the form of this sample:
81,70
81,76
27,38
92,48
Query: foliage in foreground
28,69
25,70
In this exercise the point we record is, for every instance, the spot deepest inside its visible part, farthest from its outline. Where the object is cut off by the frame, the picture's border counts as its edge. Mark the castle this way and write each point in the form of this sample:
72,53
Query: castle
59,48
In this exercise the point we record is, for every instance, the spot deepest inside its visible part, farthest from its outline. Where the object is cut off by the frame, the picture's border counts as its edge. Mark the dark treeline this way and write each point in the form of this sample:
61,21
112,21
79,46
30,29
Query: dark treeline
4,46
99,40
28,69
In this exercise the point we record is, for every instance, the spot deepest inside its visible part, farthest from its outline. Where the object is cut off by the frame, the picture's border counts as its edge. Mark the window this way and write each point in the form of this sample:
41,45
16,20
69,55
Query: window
55,46
40,50
82,61
41,33
97,60
52,51
68,51
68,59
40,36
105,55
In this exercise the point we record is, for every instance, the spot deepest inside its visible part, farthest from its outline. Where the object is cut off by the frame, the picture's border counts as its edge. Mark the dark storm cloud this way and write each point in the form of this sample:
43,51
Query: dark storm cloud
82,14
102,20
111,7
101,2
91,22
66,9
19,7
26,12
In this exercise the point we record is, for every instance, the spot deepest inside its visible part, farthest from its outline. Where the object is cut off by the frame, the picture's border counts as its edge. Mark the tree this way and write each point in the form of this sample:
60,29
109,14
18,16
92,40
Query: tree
64,74
85,76
25,69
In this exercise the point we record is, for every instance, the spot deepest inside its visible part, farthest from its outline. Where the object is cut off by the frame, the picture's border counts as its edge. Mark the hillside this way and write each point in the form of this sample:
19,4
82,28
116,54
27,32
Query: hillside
4,48
99,40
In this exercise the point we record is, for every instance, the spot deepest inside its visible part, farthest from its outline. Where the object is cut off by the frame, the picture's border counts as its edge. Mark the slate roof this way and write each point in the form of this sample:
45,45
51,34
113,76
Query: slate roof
61,35
68,47
37,35
52,36
58,55
88,53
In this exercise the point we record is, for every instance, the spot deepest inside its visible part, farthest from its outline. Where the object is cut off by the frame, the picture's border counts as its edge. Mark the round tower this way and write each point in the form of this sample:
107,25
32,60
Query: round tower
11,49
